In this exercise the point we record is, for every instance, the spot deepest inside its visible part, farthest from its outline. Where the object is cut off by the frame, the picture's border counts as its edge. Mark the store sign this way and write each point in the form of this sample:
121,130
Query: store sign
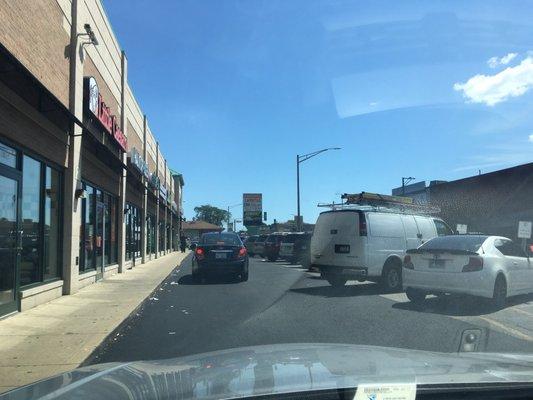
163,192
102,112
138,162
252,209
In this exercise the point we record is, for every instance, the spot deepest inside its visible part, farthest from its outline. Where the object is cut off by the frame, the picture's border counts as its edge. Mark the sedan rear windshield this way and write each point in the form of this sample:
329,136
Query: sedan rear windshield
291,238
222,238
456,242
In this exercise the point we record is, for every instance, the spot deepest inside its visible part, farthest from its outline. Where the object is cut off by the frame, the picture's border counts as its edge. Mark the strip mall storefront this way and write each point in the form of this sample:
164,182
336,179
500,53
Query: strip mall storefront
103,146
33,156
77,199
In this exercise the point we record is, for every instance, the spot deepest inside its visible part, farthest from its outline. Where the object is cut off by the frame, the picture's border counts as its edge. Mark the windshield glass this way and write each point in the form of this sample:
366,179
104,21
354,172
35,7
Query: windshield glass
468,243
156,155
222,238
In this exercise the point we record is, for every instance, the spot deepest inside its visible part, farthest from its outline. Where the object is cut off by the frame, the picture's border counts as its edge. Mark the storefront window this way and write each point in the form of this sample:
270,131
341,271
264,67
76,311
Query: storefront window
31,200
161,236
40,222
87,262
8,156
133,231
51,223
99,229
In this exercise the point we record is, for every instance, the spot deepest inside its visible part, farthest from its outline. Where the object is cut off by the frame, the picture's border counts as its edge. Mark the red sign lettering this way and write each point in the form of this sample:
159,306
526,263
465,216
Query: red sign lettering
110,123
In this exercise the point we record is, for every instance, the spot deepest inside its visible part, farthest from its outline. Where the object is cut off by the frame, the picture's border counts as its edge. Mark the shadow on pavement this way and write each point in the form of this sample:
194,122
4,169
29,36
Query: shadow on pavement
211,280
344,291
461,306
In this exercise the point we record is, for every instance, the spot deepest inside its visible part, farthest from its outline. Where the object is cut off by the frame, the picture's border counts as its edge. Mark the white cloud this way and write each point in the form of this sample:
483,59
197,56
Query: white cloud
493,89
493,62
531,138
373,103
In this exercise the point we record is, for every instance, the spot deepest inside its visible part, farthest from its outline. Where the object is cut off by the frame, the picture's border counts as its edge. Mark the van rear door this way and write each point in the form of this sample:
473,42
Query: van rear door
386,236
336,240
426,228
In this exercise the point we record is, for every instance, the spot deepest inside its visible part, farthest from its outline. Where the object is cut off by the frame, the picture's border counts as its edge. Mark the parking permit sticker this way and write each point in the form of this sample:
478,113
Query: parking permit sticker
392,391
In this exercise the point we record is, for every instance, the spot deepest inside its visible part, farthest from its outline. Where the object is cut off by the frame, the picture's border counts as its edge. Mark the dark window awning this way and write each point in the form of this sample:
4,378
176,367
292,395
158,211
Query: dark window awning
21,81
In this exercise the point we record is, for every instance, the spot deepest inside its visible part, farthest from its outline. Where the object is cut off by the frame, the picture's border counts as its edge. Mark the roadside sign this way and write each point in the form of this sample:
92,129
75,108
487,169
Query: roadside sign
462,229
524,229
252,209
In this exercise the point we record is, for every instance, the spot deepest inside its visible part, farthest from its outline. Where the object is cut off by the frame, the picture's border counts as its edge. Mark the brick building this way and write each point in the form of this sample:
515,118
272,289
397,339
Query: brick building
491,203
85,190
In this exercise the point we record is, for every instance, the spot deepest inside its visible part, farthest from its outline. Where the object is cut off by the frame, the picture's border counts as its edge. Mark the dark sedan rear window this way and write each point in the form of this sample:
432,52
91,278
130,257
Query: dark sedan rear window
222,238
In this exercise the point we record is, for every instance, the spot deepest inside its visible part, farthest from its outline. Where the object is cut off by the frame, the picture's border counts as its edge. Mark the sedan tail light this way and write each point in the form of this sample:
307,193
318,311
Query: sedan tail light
242,252
200,253
474,264
407,263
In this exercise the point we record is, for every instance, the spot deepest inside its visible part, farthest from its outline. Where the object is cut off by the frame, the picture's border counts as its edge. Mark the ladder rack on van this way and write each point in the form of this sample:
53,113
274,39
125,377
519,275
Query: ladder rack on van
366,201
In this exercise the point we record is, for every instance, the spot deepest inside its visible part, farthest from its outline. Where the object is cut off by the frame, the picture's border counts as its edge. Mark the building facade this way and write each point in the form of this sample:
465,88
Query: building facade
491,203
85,190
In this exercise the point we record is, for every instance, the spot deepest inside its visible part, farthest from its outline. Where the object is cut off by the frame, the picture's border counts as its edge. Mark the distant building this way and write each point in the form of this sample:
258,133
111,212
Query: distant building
418,191
195,229
491,203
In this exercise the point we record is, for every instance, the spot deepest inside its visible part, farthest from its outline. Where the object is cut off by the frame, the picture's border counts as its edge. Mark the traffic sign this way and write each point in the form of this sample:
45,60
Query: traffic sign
524,229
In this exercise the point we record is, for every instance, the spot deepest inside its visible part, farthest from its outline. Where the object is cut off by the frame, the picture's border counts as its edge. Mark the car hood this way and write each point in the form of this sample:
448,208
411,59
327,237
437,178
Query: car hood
275,369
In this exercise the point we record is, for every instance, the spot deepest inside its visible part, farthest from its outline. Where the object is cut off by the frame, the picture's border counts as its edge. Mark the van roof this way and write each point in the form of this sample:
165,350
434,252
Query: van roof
360,209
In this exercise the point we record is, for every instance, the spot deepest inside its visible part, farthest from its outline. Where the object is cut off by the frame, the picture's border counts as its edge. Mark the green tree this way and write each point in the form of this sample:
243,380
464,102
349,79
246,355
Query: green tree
212,214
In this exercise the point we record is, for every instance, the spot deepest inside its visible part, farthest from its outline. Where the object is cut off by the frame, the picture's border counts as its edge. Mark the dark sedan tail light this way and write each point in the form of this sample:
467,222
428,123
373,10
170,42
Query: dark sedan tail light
242,252
200,253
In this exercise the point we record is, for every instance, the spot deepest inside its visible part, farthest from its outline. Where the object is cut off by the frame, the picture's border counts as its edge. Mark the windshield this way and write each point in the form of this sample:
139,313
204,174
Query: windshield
184,177
468,243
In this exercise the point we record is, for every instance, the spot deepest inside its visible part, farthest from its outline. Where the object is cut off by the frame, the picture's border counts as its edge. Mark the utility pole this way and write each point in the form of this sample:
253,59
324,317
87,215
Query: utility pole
404,181
300,159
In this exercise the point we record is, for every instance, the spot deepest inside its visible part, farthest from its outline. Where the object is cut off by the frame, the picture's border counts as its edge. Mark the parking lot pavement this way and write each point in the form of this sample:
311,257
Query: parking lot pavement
515,320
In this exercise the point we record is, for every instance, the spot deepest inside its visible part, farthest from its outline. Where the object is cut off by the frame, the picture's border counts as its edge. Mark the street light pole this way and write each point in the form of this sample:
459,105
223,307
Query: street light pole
298,192
404,180
300,159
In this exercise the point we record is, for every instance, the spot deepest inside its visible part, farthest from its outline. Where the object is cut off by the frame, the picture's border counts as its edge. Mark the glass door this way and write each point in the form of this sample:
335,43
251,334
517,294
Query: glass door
10,242
100,238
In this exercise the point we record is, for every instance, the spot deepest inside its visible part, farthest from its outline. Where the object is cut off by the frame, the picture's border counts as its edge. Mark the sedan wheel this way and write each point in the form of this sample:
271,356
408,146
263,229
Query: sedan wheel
416,296
499,296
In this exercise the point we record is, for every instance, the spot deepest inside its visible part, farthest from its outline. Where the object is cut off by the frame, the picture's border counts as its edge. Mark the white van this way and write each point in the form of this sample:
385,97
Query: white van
366,244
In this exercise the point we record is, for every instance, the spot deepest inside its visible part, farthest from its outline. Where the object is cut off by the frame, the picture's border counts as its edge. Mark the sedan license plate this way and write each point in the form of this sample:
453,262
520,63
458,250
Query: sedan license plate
219,256
436,263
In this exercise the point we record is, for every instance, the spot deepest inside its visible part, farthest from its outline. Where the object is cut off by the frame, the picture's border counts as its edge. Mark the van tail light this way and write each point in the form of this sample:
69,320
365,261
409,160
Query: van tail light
200,253
407,263
362,225
242,252
474,264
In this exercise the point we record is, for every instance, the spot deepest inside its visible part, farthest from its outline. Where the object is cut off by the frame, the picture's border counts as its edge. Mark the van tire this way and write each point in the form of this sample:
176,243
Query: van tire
391,277
336,280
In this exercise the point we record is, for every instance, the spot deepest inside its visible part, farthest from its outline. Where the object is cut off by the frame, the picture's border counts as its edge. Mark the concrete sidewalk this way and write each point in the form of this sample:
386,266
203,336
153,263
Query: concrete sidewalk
57,336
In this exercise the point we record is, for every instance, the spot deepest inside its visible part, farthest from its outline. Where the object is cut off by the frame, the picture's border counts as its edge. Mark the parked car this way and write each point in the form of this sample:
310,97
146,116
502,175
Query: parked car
220,253
367,244
492,267
249,244
272,246
295,248
258,246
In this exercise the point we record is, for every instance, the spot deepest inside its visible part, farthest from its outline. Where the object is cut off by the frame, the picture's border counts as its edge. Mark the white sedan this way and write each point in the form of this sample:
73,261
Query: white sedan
493,267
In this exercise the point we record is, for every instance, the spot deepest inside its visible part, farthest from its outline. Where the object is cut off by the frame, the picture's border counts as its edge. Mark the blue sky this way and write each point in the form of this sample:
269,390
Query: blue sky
235,89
